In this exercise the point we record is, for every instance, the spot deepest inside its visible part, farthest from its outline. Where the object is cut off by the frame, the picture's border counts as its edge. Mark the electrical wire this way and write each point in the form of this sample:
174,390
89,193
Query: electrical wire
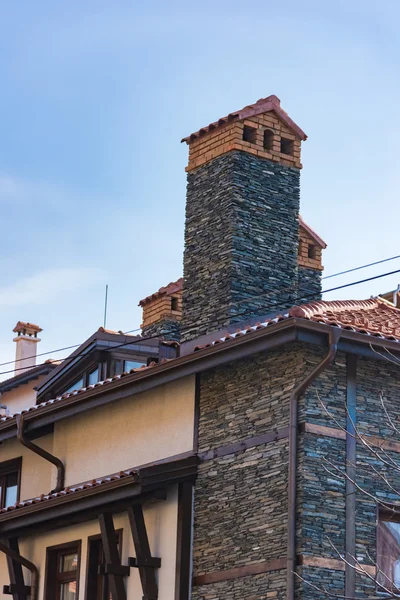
264,294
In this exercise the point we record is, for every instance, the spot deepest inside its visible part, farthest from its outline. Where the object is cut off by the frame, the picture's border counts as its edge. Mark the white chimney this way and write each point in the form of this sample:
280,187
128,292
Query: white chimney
26,340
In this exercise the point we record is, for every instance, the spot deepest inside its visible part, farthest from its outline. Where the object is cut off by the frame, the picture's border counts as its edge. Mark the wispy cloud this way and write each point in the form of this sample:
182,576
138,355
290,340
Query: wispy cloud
45,286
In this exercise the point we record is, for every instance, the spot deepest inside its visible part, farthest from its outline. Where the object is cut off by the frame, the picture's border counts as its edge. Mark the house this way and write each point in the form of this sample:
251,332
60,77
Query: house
216,468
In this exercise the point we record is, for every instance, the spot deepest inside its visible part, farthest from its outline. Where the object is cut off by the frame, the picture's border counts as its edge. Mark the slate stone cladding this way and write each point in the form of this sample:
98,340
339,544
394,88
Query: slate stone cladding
321,495
240,510
169,330
309,285
241,241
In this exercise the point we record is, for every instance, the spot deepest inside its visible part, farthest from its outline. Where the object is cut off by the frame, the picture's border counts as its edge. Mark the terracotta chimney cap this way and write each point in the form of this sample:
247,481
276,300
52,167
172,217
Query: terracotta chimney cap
27,328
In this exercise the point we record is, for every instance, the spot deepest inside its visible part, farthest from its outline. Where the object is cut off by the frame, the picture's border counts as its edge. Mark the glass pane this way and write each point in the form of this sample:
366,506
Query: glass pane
75,386
11,495
69,562
132,364
389,554
93,377
68,591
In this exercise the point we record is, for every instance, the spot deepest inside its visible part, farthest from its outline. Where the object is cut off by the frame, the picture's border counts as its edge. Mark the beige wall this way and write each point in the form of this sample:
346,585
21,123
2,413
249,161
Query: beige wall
127,433
161,520
36,476
22,397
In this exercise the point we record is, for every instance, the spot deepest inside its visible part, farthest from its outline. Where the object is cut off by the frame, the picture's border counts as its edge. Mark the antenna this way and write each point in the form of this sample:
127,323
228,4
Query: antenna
105,306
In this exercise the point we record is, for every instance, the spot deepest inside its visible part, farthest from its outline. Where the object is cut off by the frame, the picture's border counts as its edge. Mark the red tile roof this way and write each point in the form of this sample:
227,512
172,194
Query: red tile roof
21,326
318,240
376,317
73,489
263,105
171,288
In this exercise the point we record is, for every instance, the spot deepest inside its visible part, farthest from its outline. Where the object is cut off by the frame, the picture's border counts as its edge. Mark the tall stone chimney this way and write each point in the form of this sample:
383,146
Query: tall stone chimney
242,219
26,349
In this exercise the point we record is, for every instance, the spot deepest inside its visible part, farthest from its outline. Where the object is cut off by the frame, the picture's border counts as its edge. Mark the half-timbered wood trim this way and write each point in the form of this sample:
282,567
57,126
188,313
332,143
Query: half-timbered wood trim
340,434
351,458
14,568
271,436
143,552
184,541
335,564
112,556
255,569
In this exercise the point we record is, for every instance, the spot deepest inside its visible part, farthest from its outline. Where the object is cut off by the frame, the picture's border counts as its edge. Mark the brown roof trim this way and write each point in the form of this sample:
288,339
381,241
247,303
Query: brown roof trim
317,239
273,333
80,503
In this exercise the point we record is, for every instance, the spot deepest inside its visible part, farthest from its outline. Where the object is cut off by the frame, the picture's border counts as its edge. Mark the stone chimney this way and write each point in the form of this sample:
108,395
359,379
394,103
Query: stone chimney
162,312
26,350
241,255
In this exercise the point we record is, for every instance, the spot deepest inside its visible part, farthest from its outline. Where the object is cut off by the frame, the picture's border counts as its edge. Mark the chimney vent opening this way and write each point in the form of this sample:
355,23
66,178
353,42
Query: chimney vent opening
312,251
250,134
268,139
287,146
174,303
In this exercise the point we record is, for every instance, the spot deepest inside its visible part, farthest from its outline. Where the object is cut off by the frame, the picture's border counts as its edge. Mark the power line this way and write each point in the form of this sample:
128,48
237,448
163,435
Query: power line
378,262
264,294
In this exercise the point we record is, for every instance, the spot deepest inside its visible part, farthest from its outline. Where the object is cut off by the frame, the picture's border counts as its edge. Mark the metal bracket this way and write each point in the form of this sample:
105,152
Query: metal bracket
15,588
145,561
110,569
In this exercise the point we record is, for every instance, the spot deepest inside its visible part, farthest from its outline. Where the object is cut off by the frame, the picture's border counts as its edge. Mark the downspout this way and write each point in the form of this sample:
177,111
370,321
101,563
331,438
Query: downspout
27,564
41,452
334,335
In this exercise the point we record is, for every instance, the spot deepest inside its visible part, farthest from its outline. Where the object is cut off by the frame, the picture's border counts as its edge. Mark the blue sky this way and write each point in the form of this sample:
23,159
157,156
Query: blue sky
95,98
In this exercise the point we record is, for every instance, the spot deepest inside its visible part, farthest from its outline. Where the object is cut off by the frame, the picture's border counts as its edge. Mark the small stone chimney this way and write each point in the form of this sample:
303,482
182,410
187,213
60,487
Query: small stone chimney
26,350
162,312
241,257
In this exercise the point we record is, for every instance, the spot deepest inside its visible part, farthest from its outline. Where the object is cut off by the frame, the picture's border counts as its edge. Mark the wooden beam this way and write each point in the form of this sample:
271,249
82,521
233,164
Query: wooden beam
184,541
265,566
351,452
111,555
143,553
15,569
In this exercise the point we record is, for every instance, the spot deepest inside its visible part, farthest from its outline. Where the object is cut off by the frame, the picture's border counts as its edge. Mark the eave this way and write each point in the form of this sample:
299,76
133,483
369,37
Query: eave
148,484
268,338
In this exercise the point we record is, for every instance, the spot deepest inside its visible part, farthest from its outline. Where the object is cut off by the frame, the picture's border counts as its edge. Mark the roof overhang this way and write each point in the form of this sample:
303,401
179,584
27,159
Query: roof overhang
268,338
148,484
27,376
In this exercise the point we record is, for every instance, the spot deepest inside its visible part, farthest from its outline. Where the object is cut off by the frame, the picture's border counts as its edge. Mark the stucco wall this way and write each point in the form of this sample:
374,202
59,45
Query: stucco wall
23,396
161,521
127,433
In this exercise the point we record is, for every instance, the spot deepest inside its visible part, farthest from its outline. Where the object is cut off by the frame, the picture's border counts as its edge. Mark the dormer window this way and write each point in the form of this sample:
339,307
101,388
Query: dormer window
249,134
287,146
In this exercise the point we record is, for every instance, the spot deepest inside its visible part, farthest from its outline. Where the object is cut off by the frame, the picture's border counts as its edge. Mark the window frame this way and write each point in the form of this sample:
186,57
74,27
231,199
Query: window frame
384,514
90,592
52,580
8,467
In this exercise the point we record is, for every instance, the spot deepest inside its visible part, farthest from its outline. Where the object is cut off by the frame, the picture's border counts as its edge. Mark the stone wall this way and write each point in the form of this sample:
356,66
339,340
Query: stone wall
169,330
309,285
240,510
241,241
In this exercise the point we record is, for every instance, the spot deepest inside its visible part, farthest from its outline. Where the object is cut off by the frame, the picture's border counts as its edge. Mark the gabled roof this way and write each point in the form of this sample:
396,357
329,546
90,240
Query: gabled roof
30,374
318,240
263,105
171,288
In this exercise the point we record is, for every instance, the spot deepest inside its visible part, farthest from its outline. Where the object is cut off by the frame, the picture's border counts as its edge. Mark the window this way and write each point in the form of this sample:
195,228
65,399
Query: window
174,303
312,252
287,146
97,583
75,386
62,572
268,139
132,364
388,550
93,377
249,134
10,474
